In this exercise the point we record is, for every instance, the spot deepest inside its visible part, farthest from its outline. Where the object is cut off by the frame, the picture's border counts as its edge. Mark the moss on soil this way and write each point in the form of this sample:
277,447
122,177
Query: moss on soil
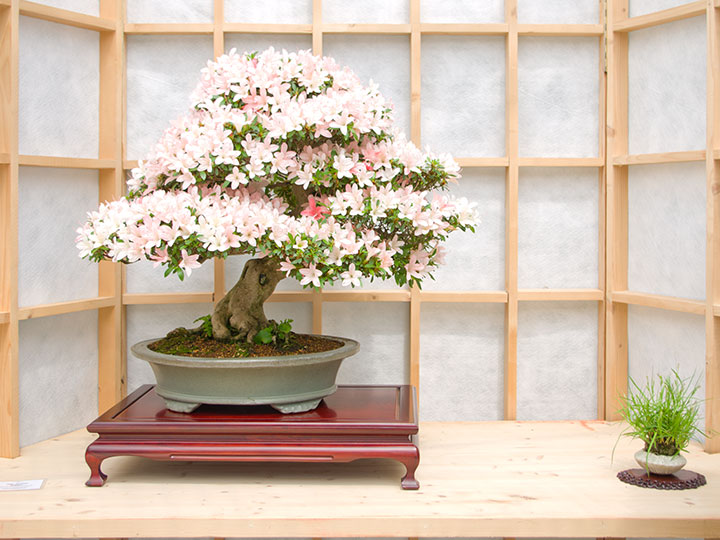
182,342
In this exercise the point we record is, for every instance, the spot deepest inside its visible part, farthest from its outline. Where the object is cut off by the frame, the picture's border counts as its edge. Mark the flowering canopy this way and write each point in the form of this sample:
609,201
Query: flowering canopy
284,155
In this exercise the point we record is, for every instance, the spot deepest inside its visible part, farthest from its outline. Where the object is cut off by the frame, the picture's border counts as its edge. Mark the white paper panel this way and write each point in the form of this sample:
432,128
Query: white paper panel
59,88
299,312
558,11
89,7
162,72
476,261
461,362
161,11
666,229
557,361
143,278
269,11
641,7
53,203
260,42
58,375
382,330
558,96
147,322
666,87
462,11
463,95
367,11
362,54
558,228
660,341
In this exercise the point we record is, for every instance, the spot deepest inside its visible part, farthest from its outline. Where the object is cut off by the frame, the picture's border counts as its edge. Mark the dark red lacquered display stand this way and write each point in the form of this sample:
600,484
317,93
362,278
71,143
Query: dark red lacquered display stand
355,422
680,480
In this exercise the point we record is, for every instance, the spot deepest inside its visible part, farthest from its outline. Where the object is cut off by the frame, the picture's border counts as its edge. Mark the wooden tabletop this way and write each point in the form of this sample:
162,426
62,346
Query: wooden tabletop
477,479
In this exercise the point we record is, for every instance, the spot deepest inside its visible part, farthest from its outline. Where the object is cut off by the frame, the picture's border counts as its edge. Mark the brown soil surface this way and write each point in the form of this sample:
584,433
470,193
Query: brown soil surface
184,343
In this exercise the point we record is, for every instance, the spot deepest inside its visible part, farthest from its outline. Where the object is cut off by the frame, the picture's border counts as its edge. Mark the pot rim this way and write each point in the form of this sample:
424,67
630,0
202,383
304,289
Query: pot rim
349,348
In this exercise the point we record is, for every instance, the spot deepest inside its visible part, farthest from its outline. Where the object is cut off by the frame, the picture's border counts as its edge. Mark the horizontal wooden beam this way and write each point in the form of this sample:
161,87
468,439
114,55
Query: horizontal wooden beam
361,295
482,161
291,296
716,152
560,29
365,296
60,308
130,164
365,29
169,28
5,3
65,162
66,17
463,29
560,162
499,297
531,162
716,310
678,13
248,28
134,299
658,301
4,317
560,295
663,157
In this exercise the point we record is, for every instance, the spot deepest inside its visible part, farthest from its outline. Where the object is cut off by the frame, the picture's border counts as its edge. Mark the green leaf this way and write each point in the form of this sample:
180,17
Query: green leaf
264,336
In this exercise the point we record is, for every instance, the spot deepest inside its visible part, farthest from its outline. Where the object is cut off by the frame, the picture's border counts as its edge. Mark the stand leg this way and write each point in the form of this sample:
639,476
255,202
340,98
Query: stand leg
411,463
97,477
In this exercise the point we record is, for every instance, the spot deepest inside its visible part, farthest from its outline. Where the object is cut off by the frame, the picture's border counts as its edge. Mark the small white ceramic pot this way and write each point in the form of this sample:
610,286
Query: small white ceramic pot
658,464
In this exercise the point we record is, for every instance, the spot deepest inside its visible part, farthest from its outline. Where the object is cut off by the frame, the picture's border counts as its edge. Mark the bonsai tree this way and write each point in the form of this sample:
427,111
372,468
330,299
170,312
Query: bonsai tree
286,157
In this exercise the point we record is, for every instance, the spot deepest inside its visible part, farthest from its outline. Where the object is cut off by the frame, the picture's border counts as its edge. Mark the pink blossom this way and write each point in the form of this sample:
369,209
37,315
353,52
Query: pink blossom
188,262
236,178
310,275
351,277
287,267
159,257
314,211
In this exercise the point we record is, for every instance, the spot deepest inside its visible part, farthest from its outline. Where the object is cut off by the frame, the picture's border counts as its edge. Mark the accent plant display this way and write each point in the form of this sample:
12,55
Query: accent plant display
288,158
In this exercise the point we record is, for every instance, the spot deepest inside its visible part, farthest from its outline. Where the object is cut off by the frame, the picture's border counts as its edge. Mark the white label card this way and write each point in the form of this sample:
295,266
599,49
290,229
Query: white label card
21,485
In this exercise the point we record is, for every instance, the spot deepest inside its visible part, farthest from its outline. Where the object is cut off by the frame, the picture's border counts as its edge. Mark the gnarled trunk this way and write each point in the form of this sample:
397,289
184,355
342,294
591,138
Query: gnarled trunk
240,315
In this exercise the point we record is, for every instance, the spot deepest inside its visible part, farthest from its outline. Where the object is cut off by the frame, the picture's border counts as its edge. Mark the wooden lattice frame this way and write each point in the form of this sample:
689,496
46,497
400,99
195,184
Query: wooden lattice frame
618,296
611,294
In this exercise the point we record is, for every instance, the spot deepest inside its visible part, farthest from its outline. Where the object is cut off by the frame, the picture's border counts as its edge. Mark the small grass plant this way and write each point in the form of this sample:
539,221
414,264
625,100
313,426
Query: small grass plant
663,414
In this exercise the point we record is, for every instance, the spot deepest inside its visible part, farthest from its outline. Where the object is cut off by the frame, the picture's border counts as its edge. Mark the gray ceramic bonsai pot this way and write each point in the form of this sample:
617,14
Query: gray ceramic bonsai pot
290,384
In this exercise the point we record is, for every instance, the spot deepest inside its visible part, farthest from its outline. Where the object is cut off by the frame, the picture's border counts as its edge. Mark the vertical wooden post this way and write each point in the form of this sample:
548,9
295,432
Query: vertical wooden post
317,312
602,208
111,364
712,273
317,35
9,384
317,43
415,135
616,339
511,210
218,50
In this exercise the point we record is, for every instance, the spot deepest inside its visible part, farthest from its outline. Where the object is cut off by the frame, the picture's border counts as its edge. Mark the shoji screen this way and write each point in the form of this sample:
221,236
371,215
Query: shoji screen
662,271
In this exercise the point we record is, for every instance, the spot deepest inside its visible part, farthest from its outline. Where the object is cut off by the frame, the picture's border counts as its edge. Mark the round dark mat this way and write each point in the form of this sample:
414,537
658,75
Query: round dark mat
679,480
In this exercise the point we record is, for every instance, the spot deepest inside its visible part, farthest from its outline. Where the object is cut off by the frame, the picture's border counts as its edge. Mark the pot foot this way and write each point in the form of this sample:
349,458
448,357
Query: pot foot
297,407
181,406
